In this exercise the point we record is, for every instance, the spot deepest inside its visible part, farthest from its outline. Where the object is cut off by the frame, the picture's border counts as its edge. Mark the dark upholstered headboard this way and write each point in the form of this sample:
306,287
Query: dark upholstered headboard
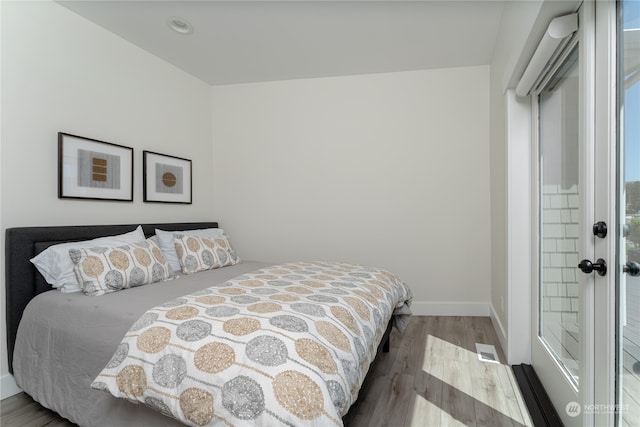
23,281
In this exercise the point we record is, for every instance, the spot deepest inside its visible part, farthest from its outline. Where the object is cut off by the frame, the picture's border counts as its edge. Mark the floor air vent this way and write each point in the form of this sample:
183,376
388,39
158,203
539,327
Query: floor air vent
487,353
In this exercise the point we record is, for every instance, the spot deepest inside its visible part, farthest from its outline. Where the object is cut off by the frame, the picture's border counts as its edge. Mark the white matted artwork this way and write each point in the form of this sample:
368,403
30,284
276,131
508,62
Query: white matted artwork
92,169
167,179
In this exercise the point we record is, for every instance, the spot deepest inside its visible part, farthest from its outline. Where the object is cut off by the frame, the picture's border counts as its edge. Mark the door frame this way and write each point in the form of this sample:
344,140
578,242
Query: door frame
606,122
599,49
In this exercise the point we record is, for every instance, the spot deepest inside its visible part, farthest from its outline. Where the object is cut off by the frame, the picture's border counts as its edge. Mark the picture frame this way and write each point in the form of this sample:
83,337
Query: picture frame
93,169
166,179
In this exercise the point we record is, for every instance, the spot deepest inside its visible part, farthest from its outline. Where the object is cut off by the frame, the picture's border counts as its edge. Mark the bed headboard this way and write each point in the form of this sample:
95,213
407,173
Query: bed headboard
23,281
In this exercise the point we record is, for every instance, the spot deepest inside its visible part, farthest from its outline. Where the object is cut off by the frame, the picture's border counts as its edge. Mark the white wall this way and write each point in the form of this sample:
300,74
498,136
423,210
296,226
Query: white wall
61,72
385,169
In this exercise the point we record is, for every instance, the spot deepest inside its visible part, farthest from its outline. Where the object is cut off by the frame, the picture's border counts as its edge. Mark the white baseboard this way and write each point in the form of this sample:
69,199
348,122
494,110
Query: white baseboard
502,334
421,308
8,386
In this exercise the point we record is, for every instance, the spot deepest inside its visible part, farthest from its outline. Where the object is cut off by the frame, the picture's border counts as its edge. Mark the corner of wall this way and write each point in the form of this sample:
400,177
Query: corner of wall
8,386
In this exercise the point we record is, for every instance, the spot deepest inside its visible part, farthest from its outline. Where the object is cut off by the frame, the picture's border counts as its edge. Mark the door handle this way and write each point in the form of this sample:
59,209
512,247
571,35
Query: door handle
600,229
632,268
600,266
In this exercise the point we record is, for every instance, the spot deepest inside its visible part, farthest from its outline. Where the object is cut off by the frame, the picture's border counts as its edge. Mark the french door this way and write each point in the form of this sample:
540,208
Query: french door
586,299
564,317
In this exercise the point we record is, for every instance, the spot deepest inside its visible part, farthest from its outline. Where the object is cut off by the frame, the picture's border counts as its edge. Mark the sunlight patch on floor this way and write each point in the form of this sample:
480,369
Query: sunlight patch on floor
468,387
425,413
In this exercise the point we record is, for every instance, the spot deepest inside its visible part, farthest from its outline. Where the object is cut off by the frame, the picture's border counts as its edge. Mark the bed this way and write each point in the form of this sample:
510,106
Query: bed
73,353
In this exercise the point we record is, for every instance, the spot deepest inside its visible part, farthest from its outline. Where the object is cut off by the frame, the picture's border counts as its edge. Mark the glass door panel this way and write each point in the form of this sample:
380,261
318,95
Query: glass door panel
628,339
560,217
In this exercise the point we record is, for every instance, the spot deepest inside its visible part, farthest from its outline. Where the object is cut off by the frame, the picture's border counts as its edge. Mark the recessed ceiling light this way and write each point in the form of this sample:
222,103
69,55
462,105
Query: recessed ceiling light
179,25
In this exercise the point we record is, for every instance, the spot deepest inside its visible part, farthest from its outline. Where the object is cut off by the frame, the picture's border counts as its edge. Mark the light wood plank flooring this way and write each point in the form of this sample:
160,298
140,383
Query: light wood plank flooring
431,377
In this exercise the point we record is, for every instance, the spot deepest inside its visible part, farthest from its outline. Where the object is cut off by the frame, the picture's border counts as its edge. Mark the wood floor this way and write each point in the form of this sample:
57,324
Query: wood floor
431,377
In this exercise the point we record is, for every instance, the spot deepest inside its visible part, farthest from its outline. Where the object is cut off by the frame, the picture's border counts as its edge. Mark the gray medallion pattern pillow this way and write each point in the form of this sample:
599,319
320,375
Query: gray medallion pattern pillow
101,270
197,253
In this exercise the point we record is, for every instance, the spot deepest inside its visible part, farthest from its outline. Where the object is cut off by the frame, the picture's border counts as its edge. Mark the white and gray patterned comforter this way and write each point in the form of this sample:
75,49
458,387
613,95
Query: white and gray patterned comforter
284,345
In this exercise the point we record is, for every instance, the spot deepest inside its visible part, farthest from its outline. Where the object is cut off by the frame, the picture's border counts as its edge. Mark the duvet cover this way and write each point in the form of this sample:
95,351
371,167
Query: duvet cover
288,344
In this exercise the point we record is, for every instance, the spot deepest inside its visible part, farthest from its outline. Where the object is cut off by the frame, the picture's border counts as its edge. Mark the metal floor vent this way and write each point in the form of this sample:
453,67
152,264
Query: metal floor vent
487,353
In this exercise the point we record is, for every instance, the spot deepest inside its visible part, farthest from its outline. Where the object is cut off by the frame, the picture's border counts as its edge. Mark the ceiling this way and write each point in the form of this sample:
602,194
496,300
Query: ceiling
253,41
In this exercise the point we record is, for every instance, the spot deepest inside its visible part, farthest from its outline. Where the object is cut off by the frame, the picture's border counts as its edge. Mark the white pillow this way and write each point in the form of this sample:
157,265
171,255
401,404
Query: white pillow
165,241
56,266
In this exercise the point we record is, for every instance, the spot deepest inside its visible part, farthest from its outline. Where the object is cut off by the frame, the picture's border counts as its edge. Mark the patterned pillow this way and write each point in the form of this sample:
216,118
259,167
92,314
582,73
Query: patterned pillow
202,253
102,270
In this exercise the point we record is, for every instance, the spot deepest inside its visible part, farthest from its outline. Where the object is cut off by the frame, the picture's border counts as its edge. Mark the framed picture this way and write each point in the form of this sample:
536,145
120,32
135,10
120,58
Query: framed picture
166,179
92,169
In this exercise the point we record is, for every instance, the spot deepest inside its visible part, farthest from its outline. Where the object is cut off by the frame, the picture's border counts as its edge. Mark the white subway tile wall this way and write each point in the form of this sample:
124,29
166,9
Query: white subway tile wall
560,219
560,245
